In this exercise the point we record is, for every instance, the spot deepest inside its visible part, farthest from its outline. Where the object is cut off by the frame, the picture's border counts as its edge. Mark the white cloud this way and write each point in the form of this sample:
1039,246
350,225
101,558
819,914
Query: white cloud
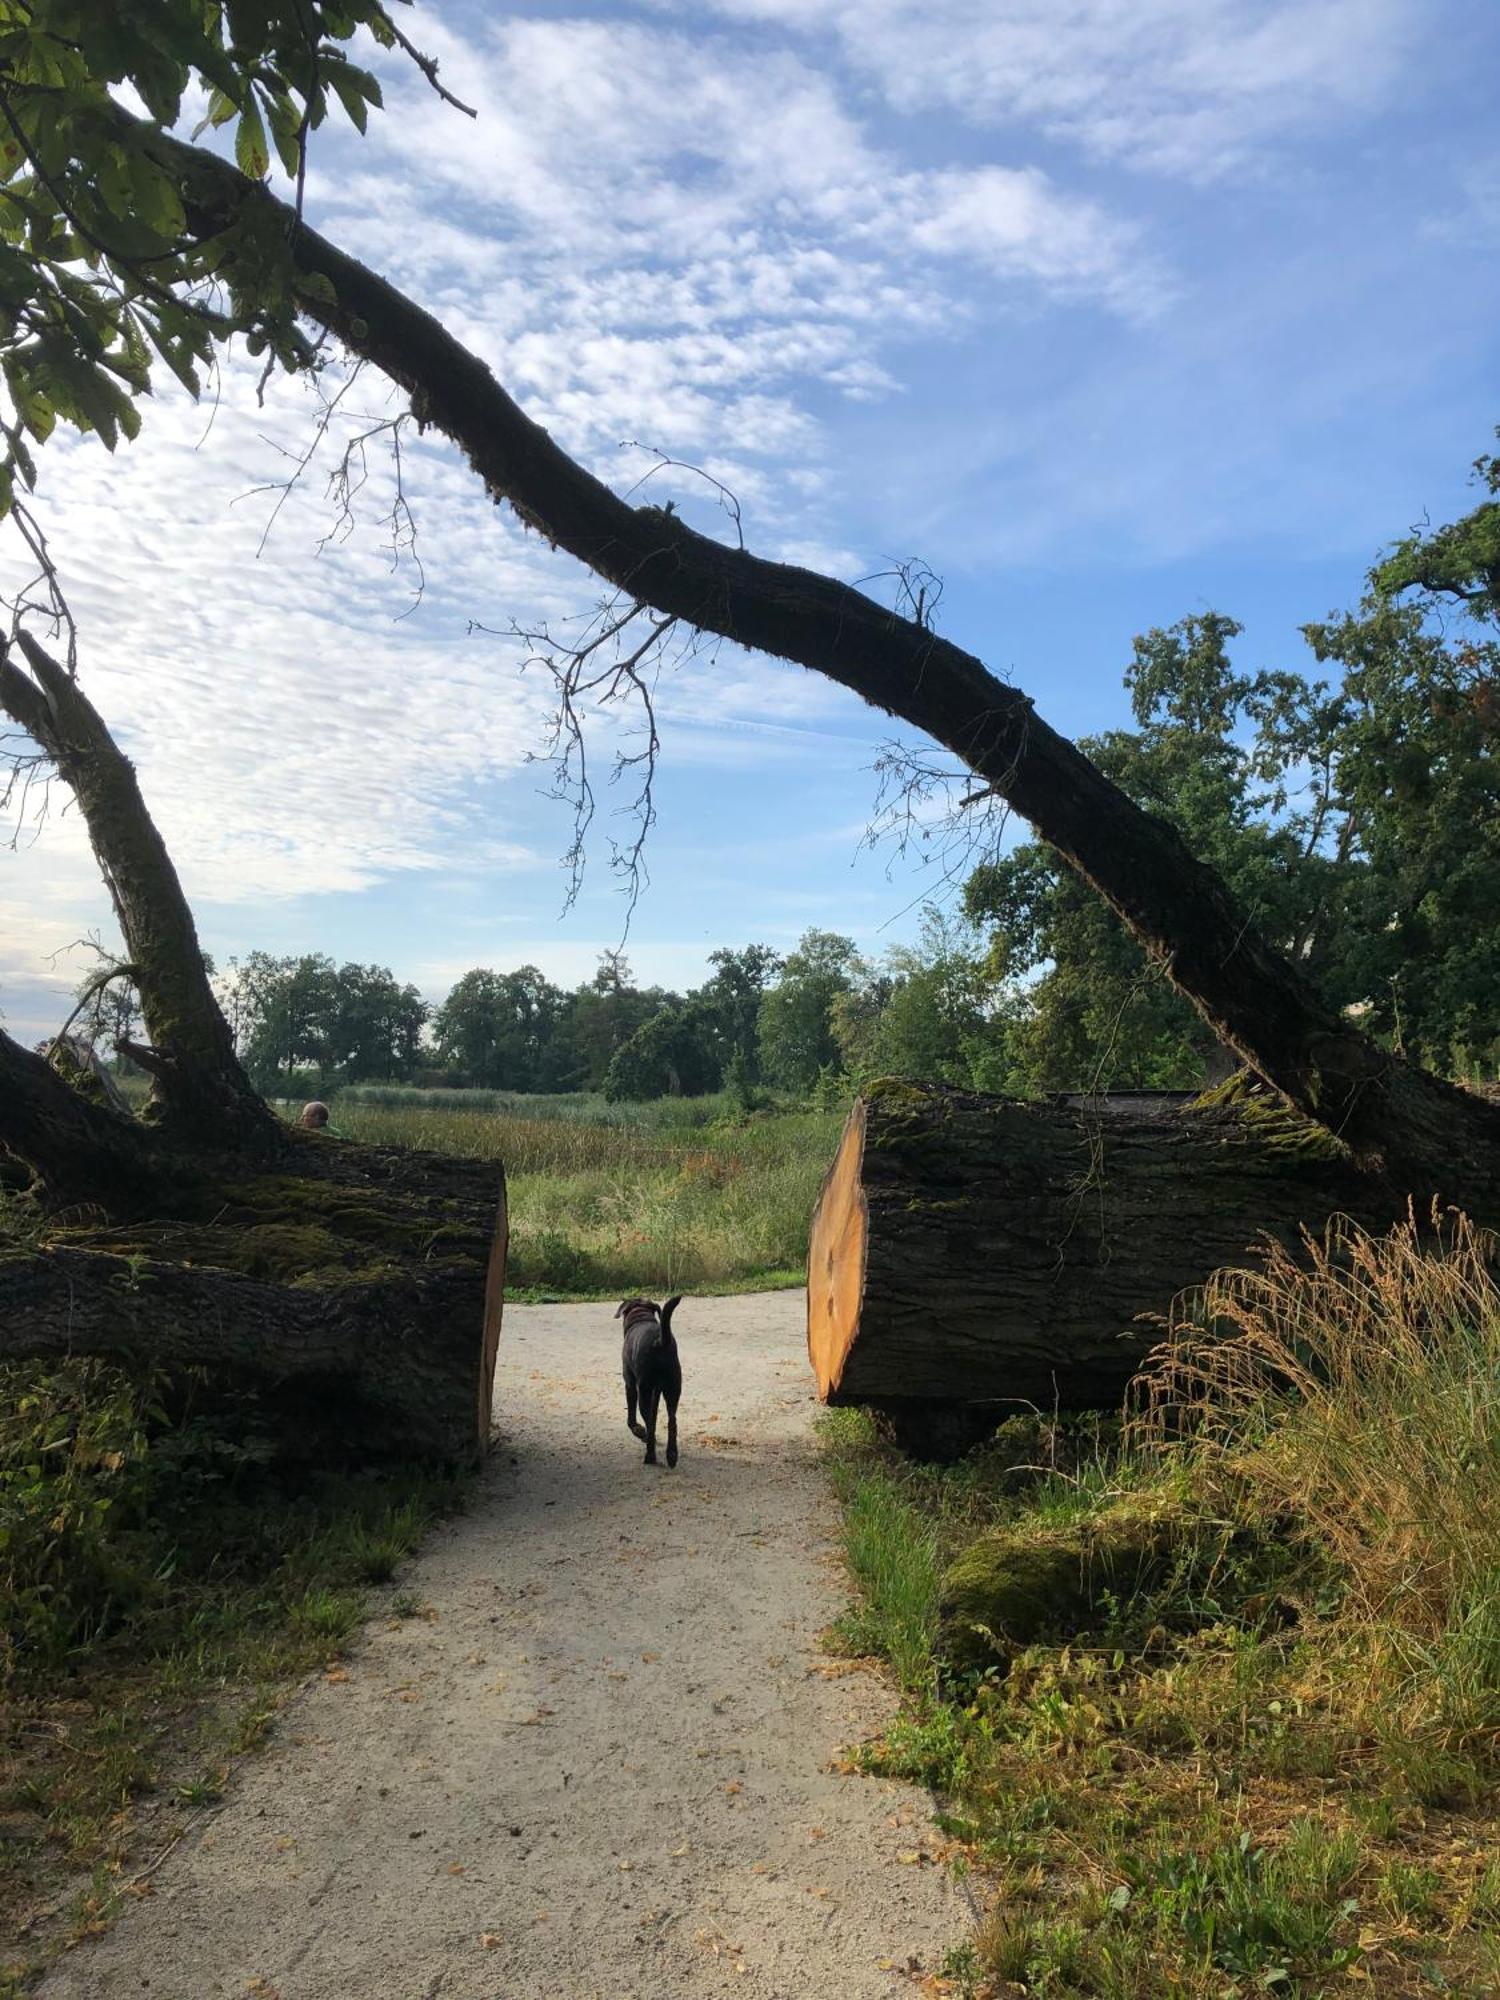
670,236
1192,87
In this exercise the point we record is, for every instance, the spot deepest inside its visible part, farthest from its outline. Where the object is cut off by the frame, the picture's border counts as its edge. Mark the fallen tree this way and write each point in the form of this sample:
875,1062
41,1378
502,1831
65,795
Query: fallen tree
972,1256
1390,1114
223,231
356,1295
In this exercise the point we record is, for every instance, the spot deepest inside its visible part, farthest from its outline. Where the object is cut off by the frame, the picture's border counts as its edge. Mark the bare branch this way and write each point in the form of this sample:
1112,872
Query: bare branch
348,479
728,498
428,66
614,662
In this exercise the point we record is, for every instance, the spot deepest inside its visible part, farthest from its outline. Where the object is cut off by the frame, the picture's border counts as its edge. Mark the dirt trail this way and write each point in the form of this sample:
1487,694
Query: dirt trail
599,1766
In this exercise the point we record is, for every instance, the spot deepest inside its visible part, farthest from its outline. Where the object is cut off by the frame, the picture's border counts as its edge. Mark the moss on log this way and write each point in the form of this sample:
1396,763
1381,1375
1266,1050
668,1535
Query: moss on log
361,1292
1016,1586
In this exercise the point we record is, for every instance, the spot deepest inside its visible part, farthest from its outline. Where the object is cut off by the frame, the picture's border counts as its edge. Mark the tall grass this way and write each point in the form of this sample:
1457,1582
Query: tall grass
635,1197
579,1107
1356,1392
1279,1783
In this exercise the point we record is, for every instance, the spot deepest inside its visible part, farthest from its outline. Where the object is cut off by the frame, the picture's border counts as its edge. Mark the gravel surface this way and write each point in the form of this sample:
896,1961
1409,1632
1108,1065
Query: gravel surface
603,1760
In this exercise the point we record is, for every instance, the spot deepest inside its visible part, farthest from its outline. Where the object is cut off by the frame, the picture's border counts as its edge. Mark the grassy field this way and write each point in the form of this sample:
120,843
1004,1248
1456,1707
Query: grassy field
1264,1757
675,1195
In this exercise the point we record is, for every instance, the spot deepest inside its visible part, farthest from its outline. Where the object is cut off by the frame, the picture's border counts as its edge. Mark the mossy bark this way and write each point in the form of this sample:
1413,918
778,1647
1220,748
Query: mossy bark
973,1254
1016,1586
78,1150
359,1296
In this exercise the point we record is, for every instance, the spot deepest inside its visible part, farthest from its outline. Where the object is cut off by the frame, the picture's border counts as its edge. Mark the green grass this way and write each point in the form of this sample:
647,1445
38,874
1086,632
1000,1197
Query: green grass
1286,1787
608,1199
160,1583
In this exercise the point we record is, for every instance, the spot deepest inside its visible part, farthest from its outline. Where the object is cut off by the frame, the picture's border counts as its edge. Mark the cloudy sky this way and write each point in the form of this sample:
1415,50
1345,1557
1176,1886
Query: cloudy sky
1107,310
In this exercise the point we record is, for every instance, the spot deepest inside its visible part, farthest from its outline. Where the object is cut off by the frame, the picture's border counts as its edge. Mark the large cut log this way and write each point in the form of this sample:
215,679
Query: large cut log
357,1298
973,1254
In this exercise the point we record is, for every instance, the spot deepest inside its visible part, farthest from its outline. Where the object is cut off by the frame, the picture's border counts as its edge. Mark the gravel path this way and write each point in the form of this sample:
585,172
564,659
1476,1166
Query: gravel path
601,1763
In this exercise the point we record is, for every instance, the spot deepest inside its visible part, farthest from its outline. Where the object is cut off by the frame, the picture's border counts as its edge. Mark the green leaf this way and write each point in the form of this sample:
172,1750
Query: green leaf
157,202
221,108
286,130
252,154
357,90
317,287
114,184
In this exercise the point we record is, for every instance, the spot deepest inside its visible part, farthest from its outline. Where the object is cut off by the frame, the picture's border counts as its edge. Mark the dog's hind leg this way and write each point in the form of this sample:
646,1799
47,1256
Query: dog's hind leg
637,1428
650,1399
674,1390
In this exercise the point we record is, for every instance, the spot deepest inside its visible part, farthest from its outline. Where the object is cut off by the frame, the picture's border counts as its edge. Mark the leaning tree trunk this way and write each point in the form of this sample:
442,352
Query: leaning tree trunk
200,1093
1387,1112
973,1256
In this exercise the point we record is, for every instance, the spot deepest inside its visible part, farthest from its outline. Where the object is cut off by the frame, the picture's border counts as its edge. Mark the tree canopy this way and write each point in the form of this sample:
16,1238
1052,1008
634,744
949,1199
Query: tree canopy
1356,819
104,274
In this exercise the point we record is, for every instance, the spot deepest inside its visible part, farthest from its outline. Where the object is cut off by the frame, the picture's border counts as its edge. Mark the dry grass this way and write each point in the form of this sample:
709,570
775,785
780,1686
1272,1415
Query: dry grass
1286,1783
1357,1393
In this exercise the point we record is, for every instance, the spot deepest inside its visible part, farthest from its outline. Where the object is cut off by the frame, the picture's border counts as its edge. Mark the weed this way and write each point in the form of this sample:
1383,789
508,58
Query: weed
203,1791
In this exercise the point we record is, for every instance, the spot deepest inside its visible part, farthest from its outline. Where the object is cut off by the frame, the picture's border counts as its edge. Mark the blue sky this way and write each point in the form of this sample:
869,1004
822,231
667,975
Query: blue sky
1108,310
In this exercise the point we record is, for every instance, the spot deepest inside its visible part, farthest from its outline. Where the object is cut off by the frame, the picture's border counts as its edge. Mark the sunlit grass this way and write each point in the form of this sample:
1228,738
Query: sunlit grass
1276,1786
616,1203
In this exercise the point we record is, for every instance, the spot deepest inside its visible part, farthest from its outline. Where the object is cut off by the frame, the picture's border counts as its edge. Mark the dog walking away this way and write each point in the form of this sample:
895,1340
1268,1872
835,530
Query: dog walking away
653,1371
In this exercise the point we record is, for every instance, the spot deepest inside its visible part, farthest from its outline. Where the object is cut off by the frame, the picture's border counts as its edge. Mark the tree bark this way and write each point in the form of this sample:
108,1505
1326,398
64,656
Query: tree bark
1386,1111
200,1094
80,1152
359,1300
982,1254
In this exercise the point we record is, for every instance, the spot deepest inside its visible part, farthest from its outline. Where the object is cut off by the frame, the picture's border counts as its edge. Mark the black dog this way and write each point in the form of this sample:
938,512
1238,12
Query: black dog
652,1370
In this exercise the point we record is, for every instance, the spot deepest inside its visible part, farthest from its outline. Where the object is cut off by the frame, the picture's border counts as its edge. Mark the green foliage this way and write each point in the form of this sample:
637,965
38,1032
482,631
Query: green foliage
930,1011
796,1031
1355,820
1457,564
1418,775
499,1030
602,1016
302,1022
739,983
73,1492
106,268
674,1054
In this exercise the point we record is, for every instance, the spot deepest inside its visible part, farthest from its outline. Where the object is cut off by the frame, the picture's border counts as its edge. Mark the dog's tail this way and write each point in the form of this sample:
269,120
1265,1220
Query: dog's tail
667,1311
